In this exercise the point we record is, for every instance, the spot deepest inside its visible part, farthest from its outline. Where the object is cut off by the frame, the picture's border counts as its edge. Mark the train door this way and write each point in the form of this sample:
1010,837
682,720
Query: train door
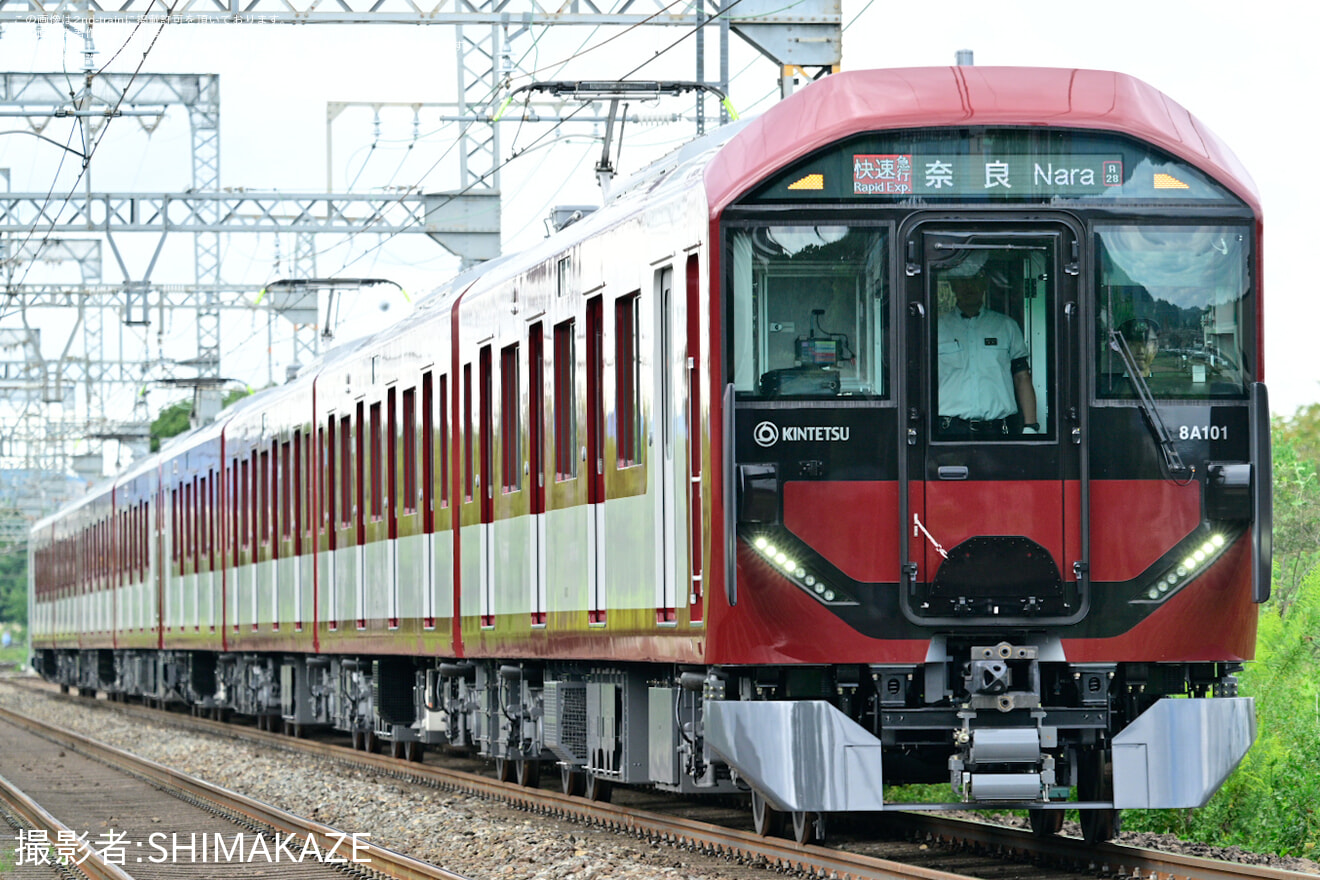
596,575
666,576
994,514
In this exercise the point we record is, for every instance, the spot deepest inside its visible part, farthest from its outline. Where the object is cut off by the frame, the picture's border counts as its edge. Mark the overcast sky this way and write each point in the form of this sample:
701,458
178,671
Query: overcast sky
1247,71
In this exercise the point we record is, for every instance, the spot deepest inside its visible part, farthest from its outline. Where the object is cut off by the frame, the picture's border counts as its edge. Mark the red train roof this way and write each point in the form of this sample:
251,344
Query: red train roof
875,100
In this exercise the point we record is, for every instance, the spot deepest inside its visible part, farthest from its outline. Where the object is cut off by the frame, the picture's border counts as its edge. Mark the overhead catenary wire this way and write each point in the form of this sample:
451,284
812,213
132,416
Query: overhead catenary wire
86,163
569,117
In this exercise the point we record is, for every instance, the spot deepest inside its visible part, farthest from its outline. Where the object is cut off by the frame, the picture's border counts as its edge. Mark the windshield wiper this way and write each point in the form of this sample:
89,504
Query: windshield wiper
1173,463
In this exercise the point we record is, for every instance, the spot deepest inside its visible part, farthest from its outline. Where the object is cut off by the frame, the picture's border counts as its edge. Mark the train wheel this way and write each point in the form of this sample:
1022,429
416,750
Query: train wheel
359,741
1045,823
808,827
413,751
1099,826
597,789
528,772
766,820
396,750
1093,784
503,769
571,782
372,743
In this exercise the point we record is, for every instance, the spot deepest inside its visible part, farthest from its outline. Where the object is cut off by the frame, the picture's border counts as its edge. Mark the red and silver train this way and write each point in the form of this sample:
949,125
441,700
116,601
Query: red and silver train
726,488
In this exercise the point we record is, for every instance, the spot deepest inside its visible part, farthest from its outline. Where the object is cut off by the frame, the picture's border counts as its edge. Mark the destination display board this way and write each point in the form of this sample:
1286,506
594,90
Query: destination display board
999,165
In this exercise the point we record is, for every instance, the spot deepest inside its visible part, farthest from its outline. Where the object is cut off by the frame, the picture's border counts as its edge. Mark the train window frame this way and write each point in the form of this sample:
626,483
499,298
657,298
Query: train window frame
1155,332
299,495
565,400
345,472
870,332
377,464
442,402
263,497
245,505
427,500
628,380
408,497
286,483
469,467
327,520
510,420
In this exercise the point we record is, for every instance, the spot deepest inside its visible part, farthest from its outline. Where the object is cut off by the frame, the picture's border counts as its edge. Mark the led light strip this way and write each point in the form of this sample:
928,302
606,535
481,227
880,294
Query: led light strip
782,558
1195,563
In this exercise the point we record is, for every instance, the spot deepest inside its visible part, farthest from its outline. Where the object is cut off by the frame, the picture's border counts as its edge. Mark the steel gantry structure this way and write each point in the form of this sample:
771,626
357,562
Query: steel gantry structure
802,38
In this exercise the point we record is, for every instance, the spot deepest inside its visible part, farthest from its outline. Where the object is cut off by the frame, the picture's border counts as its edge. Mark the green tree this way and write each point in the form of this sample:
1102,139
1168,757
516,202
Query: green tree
172,421
13,588
176,418
1296,444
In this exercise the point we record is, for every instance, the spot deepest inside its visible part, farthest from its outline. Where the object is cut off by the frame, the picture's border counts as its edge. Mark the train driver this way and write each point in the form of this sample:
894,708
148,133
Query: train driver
984,372
1142,337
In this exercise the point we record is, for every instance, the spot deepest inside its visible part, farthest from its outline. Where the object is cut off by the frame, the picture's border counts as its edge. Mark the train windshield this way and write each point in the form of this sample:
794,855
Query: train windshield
809,311
1177,297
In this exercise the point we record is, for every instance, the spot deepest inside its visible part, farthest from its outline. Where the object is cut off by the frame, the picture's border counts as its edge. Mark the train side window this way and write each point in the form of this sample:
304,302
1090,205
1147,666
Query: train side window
1177,296
298,492
809,311
565,400
199,522
409,465
286,495
208,518
627,380
186,524
468,469
235,511
377,464
510,424
444,441
345,471
260,485
327,441
174,526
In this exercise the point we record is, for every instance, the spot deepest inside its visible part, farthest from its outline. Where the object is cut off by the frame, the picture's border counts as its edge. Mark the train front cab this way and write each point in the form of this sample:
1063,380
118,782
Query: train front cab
1015,602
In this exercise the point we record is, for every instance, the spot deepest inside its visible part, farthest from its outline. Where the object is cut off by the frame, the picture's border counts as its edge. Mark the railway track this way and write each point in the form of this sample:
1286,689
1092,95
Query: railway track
927,847
110,815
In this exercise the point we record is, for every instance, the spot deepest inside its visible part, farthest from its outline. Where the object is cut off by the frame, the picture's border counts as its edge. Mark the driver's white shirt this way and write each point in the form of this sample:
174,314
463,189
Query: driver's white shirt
974,361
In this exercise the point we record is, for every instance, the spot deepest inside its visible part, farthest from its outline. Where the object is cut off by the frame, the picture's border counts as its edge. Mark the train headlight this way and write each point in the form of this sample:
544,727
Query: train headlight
1199,559
786,556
